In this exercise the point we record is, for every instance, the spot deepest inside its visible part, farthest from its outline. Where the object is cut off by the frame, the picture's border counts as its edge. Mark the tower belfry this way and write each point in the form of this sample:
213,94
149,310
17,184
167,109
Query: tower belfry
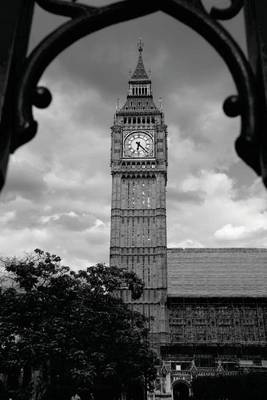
138,213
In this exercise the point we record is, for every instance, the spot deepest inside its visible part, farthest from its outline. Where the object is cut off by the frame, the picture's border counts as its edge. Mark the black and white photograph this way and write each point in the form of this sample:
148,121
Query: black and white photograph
133,200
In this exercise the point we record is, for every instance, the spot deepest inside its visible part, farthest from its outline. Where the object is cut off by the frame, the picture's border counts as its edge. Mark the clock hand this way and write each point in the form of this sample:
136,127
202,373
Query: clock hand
138,145
143,148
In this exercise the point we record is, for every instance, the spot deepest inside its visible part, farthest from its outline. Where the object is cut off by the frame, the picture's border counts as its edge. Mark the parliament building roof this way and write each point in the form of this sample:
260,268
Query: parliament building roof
217,272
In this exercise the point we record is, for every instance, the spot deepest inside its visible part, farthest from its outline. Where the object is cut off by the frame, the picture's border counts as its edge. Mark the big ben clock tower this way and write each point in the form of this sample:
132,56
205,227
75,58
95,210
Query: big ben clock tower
138,211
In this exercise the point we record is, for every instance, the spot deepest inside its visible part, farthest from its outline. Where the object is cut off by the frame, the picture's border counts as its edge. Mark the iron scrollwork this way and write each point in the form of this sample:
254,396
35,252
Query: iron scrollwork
85,20
229,12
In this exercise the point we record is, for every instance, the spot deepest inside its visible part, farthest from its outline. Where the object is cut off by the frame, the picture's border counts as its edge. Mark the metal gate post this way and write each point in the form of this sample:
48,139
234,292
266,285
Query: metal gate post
256,32
15,26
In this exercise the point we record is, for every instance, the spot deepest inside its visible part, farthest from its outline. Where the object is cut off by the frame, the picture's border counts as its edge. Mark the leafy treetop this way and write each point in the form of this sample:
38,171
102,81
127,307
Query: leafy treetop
72,328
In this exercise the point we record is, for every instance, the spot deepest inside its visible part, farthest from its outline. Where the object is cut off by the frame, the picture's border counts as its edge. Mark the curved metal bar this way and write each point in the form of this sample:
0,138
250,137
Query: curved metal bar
55,43
64,8
190,12
224,44
229,12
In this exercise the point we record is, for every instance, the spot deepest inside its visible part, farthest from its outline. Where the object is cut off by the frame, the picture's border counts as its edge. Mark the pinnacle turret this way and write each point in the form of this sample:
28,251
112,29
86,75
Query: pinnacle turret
140,73
139,97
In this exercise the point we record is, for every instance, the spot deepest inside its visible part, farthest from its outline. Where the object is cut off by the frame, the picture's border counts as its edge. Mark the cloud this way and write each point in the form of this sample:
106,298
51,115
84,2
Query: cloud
58,190
60,184
223,218
198,130
186,243
175,195
70,221
232,233
7,217
210,183
25,180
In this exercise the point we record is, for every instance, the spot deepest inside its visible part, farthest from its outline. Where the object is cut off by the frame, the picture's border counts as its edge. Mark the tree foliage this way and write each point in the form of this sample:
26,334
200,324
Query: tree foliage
71,329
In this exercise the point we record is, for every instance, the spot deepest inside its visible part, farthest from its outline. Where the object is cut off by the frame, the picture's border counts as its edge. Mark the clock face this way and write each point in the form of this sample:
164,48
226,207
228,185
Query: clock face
138,144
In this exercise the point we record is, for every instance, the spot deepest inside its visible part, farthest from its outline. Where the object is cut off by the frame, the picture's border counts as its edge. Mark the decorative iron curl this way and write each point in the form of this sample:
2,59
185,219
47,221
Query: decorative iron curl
86,20
229,12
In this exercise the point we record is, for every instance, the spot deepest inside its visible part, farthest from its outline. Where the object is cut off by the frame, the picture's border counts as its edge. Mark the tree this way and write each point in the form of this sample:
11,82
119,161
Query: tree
71,331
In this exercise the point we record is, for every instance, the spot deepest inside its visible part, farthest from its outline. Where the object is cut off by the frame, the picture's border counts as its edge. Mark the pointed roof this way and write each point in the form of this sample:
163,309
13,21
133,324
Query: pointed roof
140,72
217,272
139,105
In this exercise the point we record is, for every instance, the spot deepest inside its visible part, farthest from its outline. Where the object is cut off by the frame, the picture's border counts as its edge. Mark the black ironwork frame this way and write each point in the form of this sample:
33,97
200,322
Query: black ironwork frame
85,20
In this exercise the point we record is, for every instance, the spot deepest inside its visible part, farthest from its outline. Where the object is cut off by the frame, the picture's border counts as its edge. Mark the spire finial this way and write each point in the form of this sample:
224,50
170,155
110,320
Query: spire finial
140,45
118,104
160,104
140,72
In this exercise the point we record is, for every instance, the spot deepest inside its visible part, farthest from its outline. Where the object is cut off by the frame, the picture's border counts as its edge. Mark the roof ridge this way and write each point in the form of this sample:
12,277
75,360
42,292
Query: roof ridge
220,249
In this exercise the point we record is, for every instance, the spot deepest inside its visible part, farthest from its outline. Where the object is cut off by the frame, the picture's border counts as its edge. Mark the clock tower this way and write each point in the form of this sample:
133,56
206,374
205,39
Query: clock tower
138,211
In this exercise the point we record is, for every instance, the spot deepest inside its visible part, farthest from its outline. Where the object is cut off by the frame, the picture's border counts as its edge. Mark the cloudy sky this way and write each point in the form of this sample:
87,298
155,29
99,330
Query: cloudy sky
57,195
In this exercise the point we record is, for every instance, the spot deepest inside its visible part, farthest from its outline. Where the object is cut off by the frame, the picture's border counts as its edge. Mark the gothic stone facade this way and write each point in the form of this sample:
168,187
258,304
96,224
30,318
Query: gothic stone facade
208,307
138,213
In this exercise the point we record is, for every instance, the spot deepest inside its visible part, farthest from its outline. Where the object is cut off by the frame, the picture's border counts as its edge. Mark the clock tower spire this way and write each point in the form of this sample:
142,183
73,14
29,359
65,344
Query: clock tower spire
138,210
